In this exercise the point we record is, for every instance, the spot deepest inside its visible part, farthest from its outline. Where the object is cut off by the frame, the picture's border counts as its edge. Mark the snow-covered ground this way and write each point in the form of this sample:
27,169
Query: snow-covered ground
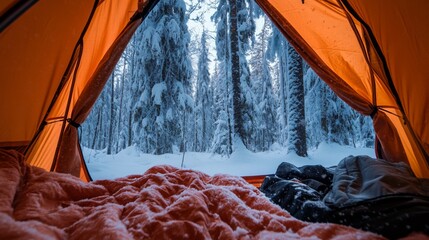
241,163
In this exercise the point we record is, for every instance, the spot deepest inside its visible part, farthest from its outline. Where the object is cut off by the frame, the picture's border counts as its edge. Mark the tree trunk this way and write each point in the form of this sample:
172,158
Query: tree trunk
283,93
120,106
183,145
204,128
296,114
130,130
235,70
96,129
323,113
228,114
229,145
111,122
196,145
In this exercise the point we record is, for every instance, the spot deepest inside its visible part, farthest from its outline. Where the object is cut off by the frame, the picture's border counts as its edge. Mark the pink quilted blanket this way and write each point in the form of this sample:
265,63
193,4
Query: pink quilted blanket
163,203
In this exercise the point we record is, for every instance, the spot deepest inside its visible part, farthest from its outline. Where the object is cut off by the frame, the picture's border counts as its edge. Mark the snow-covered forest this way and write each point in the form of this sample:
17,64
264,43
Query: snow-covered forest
240,82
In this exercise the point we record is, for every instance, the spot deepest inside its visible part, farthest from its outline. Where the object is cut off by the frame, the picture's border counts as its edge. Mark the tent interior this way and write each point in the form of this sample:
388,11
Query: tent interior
56,56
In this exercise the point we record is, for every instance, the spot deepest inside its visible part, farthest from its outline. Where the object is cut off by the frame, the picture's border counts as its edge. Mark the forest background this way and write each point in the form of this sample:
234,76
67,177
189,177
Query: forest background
187,85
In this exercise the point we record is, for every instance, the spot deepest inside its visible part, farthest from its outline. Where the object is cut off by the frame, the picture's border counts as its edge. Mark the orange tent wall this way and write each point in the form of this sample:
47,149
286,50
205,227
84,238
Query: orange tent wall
372,53
34,54
109,20
57,50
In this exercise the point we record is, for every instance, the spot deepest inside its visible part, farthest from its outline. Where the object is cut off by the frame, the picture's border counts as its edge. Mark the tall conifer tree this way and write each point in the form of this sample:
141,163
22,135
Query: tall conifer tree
297,139
203,100
165,71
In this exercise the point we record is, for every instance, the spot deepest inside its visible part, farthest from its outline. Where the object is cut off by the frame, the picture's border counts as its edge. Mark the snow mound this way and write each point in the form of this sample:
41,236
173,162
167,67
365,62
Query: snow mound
241,163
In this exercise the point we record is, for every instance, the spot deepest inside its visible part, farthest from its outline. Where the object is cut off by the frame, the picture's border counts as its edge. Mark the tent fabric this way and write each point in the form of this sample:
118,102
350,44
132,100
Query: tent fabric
36,50
402,36
60,73
68,155
55,56
108,20
371,63
6,5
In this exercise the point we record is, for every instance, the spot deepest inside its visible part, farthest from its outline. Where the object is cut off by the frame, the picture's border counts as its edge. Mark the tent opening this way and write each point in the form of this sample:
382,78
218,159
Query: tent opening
171,100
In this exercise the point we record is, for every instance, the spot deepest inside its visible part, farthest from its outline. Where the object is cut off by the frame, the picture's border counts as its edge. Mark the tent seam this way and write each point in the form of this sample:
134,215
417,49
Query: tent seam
392,87
314,60
79,57
14,13
63,81
64,120
367,59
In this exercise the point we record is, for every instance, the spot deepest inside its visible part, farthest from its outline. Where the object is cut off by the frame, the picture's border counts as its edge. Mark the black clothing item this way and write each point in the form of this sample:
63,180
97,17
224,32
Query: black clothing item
370,194
297,198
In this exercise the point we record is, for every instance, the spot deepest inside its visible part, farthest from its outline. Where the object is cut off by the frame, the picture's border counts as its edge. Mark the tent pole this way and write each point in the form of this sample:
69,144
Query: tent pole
392,87
15,12
64,79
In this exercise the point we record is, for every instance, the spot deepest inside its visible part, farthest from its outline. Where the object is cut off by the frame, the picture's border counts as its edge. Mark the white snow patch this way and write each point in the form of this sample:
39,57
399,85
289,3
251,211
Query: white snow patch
242,162
157,91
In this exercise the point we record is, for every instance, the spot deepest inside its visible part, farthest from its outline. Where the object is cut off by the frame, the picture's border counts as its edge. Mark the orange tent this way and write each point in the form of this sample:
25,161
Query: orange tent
56,55
373,55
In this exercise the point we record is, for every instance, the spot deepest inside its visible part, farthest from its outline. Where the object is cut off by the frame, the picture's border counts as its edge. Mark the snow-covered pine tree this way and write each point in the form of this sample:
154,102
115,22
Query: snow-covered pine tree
221,144
222,110
340,118
124,99
242,28
203,100
265,125
278,47
145,49
315,108
297,140
363,131
111,115
329,119
235,29
163,85
97,124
